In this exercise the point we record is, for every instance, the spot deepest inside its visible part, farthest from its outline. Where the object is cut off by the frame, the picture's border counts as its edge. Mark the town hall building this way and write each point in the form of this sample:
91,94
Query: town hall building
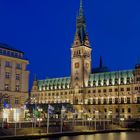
96,93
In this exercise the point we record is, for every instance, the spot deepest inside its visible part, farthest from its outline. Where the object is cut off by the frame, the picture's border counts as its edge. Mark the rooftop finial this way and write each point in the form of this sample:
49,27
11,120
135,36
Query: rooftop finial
81,8
101,62
35,77
81,3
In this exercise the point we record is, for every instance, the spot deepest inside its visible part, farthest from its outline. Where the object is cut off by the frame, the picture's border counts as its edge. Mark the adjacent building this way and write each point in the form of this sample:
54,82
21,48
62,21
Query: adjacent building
14,78
94,94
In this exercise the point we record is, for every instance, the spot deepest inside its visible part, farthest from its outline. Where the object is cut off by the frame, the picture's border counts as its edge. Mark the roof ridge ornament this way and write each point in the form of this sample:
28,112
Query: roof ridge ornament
81,8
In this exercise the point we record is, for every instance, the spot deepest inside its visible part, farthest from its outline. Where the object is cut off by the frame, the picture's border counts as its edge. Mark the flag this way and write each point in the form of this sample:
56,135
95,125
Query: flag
50,109
6,105
84,110
72,110
36,113
63,109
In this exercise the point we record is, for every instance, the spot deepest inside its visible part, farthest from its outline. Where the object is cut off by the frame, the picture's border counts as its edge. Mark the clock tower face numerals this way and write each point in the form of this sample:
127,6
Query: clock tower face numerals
87,65
77,65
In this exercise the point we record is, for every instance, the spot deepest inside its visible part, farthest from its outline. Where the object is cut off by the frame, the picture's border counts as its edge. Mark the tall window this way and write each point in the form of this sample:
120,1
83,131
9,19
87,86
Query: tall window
7,75
18,66
16,101
129,110
7,87
138,99
8,64
116,100
105,101
17,76
122,100
110,100
94,101
99,101
128,100
122,110
17,87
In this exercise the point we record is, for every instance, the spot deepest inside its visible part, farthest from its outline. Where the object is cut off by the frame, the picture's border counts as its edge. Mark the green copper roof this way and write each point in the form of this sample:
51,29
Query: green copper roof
125,74
98,78
112,75
63,82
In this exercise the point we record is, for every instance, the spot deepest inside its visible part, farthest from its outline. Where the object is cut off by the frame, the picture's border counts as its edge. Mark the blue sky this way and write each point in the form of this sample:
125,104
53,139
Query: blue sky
44,30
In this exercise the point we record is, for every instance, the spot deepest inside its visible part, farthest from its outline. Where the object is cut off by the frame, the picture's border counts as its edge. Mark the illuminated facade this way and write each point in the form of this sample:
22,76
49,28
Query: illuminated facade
13,82
102,94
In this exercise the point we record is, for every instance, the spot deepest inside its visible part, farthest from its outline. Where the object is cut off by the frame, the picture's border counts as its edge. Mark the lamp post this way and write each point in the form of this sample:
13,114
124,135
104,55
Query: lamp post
1,99
82,117
33,101
96,113
40,119
111,115
62,115
15,121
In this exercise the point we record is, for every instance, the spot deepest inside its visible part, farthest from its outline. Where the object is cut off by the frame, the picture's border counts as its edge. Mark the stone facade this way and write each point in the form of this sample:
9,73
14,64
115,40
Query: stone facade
14,79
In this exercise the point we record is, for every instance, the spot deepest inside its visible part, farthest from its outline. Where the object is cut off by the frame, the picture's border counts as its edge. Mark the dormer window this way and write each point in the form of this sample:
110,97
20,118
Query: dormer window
122,80
128,80
94,83
76,43
99,82
104,82
116,81
110,81
89,83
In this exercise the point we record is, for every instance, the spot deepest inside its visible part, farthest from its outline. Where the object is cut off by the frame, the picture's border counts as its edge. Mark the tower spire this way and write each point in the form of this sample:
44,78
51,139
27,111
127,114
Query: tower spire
81,24
81,8
101,62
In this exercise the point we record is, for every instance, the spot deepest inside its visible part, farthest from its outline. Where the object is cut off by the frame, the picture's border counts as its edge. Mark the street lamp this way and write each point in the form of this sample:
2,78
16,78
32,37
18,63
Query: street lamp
4,111
33,101
62,115
110,113
96,113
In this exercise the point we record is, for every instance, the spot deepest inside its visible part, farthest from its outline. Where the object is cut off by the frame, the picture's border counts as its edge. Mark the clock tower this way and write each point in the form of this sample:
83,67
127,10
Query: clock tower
80,53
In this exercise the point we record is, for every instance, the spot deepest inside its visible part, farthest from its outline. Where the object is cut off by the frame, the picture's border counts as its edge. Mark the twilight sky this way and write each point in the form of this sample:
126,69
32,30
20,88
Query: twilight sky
44,30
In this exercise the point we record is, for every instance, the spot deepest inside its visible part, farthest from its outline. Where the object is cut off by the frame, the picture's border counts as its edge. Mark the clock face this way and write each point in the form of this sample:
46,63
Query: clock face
77,65
87,65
